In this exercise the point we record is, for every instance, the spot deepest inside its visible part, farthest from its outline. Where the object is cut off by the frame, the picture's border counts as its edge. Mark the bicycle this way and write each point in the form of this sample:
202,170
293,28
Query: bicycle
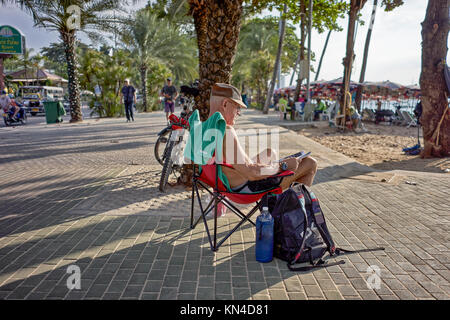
163,135
173,151
170,138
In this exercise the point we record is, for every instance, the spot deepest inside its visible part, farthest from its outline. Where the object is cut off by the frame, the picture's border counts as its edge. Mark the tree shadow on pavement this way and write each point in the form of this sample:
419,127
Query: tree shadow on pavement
143,258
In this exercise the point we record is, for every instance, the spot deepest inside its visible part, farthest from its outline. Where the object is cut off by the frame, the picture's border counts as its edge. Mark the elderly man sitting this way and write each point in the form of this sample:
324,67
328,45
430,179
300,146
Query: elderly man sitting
252,175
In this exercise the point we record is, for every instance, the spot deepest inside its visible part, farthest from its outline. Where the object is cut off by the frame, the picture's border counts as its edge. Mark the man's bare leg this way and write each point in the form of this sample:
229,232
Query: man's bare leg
304,174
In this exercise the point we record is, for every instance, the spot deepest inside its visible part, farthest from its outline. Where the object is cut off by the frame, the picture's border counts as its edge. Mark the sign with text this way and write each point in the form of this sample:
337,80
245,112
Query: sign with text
11,40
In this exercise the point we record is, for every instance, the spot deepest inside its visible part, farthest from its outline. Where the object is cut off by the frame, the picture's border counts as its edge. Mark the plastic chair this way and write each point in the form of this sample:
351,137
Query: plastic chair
308,112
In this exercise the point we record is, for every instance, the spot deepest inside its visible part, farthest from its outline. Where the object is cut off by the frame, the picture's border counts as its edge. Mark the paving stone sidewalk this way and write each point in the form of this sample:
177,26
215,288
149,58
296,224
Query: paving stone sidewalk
86,195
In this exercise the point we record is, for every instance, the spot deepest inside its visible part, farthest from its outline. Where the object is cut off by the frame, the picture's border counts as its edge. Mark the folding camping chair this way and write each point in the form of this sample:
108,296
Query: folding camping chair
409,119
370,115
209,174
400,119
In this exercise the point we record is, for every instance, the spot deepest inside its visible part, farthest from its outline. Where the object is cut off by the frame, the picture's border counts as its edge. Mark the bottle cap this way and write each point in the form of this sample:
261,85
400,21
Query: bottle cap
265,208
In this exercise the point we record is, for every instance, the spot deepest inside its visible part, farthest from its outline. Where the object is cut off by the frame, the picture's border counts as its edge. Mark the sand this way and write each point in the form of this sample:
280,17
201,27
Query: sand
380,148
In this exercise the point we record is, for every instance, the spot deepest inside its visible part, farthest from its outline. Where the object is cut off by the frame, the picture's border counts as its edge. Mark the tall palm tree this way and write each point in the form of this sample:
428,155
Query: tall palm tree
355,8
153,38
435,119
25,60
256,41
217,25
322,55
365,56
56,16
277,61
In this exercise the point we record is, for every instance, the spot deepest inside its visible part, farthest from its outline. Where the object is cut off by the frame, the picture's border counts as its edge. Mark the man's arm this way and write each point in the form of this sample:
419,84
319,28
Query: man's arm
242,163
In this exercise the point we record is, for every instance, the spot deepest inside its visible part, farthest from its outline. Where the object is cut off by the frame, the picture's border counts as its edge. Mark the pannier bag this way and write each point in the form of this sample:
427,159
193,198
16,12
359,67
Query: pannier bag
300,231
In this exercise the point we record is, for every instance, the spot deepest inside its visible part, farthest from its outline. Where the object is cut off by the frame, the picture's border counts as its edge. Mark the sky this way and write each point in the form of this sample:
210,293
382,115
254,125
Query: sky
394,55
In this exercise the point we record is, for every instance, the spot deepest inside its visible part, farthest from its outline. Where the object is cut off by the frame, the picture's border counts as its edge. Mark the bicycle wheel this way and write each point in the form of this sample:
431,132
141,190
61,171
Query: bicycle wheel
167,167
160,146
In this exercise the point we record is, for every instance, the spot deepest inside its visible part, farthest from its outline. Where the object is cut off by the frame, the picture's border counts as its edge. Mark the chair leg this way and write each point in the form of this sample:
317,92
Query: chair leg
216,203
247,217
194,185
204,220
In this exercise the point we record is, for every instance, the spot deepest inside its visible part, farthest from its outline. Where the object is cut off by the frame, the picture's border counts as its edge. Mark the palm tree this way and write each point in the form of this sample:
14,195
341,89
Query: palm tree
25,60
435,119
217,25
150,37
355,7
56,16
365,55
277,61
91,62
322,55
256,43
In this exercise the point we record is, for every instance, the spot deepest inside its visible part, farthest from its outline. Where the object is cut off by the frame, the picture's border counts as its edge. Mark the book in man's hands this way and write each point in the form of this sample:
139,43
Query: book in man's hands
298,155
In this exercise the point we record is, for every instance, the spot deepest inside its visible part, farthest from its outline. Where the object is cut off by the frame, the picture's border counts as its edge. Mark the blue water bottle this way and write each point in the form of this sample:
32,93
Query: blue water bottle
264,236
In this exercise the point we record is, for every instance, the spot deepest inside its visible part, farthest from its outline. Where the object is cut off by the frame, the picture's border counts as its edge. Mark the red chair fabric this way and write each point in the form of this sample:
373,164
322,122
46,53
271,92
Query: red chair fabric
208,176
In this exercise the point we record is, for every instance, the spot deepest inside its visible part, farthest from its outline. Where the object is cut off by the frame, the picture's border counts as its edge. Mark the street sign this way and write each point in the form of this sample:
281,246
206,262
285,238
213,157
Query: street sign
11,40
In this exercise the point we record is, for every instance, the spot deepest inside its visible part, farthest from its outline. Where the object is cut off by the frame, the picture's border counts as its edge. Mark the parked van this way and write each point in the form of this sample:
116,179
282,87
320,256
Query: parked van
34,96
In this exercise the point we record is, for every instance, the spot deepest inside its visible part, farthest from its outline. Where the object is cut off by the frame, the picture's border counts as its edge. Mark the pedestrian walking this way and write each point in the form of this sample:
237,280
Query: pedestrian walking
128,97
170,94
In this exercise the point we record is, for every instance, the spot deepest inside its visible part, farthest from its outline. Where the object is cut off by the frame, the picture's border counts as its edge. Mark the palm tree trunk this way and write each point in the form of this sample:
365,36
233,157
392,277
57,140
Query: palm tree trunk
355,7
366,52
144,85
297,61
217,24
73,85
2,81
435,117
277,62
323,54
302,47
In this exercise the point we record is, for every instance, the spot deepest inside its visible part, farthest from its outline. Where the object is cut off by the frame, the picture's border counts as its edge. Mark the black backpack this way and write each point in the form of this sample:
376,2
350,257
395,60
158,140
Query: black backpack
300,231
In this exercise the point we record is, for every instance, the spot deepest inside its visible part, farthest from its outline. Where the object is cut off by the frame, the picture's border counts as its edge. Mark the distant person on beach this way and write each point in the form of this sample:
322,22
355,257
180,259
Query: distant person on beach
356,119
321,107
378,104
282,105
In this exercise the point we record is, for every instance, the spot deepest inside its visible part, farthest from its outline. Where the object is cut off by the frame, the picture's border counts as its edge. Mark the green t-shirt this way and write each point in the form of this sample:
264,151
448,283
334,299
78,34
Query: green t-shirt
282,104
321,106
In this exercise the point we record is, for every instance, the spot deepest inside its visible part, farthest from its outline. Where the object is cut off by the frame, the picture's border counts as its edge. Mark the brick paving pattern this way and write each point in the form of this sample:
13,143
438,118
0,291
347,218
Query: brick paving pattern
87,195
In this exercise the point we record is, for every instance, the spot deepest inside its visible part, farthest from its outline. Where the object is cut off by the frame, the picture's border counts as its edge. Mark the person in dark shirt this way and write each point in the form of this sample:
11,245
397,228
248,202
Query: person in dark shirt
128,97
169,92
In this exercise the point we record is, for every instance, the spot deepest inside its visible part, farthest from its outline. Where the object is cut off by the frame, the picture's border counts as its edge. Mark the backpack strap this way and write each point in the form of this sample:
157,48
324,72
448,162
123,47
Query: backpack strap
340,251
302,246
318,265
319,220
